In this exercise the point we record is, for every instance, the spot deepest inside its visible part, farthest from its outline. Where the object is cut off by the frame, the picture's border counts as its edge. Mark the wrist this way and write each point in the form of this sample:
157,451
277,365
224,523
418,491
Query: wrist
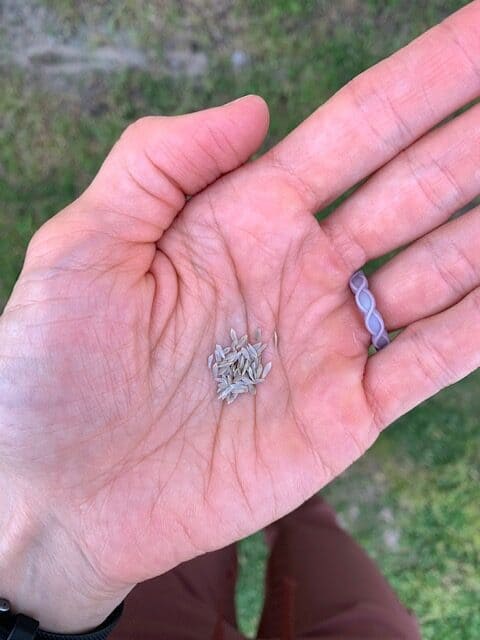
46,575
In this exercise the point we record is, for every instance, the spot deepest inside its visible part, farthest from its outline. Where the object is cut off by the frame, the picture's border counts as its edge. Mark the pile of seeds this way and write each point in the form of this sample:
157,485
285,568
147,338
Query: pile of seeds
238,368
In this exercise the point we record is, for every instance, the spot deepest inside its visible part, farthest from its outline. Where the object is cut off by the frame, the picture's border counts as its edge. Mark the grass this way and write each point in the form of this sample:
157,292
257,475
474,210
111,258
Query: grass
427,471
413,500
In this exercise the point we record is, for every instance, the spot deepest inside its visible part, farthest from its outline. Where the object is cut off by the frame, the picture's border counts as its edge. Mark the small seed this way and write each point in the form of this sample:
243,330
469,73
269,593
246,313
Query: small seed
253,352
266,370
242,342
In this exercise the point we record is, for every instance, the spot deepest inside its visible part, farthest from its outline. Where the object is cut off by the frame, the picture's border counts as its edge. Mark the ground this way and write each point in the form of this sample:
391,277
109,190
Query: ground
74,73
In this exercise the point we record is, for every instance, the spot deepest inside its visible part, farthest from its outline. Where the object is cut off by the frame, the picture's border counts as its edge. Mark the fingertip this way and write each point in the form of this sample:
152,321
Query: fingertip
254,102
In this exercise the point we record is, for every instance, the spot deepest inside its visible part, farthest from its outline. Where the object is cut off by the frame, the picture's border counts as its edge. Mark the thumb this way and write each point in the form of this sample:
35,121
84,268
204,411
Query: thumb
158,161
144,181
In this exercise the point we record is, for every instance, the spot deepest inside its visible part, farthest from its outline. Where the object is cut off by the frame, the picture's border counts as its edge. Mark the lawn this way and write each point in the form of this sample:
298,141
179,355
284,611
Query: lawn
414,500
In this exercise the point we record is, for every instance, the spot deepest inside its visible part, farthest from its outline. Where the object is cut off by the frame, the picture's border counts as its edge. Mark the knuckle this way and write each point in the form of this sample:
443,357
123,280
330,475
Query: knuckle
454,37
452,264
434,180
139,132
138,126
369,97
37,241
431,359
423,184
345,242
221,143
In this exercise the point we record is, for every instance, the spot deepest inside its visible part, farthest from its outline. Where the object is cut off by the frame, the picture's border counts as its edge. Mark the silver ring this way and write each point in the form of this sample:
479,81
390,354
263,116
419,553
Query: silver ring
366,303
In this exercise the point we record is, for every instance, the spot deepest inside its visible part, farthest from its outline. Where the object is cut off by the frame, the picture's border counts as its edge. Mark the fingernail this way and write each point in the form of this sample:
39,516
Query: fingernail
249,95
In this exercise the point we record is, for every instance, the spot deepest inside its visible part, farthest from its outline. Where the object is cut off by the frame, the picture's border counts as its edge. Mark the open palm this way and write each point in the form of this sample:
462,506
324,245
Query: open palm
106,399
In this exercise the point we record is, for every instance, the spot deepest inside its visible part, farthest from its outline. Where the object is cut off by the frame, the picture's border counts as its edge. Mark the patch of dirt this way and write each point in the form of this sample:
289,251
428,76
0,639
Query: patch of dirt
33,40
36,39
359,499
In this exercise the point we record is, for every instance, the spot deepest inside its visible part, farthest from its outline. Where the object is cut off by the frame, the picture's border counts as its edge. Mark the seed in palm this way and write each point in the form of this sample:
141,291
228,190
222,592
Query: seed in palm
238,368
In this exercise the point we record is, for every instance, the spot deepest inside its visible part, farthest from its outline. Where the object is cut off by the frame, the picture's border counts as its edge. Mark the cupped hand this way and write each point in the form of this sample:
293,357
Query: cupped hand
112,437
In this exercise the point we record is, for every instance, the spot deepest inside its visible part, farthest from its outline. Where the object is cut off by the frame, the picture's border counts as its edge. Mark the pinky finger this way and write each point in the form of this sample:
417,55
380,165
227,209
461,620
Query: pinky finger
427,356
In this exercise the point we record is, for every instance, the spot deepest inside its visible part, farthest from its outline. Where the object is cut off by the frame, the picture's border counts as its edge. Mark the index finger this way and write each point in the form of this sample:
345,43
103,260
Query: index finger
383,110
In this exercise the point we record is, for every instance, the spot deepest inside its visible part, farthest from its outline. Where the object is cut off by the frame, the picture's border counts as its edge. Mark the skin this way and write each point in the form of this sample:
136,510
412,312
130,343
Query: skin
117,460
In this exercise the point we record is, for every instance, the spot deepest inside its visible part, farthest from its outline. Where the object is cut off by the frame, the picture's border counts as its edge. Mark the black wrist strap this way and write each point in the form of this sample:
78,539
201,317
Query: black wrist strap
21,627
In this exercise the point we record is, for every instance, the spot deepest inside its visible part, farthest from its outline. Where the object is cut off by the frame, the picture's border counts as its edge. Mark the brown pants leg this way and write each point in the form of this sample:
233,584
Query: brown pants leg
321,584
193,601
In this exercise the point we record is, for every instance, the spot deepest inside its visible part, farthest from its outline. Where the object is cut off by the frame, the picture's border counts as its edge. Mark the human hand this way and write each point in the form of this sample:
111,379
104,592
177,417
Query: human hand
118,459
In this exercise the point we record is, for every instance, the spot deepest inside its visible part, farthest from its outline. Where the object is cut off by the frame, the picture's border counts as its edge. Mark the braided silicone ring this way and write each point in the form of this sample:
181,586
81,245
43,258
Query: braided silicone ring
366,303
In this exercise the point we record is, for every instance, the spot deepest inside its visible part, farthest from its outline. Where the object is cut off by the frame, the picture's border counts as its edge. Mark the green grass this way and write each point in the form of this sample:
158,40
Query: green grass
413,500
426,472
